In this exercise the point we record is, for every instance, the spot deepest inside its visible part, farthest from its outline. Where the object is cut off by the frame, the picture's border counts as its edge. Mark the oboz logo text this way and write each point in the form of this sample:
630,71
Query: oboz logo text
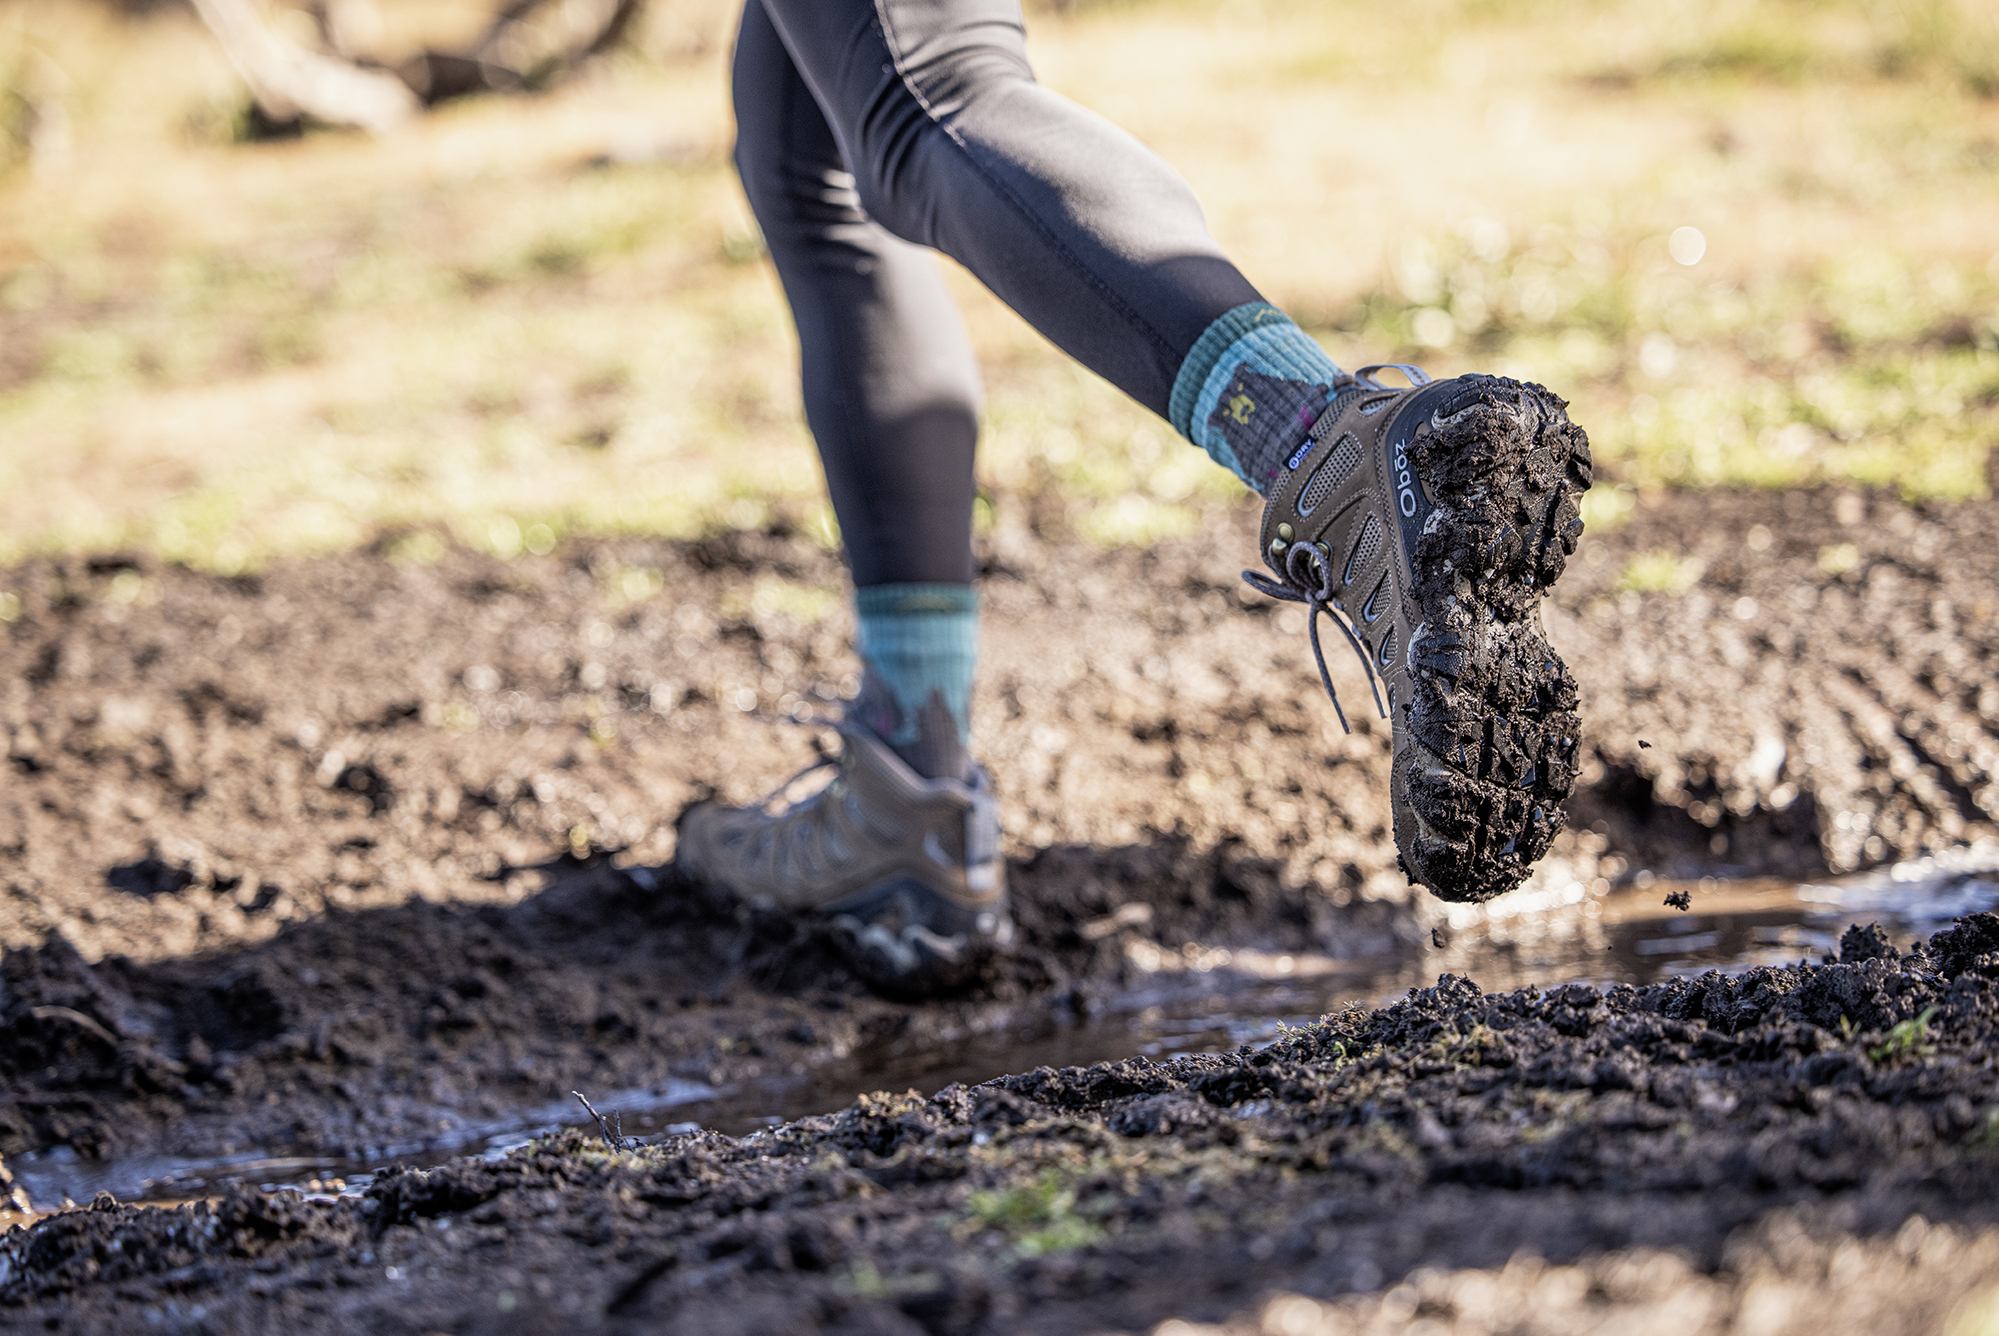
1405,482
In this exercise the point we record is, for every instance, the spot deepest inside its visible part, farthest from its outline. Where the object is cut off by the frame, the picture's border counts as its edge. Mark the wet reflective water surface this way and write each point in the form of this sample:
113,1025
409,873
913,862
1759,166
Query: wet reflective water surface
1195,1000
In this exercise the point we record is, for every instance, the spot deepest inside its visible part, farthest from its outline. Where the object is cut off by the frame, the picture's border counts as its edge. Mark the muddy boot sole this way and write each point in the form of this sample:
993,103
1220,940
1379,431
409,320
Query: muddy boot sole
904,939
1489,749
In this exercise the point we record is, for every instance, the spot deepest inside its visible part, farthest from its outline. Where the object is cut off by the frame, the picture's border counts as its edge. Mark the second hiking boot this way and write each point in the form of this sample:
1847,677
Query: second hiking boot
907,870
1429,521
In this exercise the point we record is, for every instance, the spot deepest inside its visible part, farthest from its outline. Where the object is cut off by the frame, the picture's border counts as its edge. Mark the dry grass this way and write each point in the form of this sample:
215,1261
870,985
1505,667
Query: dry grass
529,317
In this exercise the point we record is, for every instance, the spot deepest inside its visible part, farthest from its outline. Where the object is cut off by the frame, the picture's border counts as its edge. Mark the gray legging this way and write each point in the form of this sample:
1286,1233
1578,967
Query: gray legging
867,129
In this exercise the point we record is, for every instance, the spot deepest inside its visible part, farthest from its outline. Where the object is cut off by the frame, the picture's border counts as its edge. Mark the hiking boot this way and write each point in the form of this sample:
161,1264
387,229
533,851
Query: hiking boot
1428,521
906,869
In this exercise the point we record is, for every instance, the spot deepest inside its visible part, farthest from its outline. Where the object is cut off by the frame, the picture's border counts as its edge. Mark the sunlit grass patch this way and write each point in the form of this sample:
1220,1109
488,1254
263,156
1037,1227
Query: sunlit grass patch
1606,506
1661,573
1836,559
1955,42
773,596
627,586
424,547
1054,423
1883,372
475,330
1135,520
587,221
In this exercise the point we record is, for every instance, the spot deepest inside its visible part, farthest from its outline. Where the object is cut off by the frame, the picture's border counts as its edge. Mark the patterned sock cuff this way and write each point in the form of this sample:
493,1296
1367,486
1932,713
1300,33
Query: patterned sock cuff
1259,338
922,641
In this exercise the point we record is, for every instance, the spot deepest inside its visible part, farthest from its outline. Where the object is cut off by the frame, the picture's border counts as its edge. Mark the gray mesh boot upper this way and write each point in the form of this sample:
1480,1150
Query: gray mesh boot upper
906,868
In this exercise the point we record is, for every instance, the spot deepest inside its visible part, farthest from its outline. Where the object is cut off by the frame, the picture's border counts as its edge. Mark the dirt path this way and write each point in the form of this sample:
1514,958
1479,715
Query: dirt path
1775,1152
316,858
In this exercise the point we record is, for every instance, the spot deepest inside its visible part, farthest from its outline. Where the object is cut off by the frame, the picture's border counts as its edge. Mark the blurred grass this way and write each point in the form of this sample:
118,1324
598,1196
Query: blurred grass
523,319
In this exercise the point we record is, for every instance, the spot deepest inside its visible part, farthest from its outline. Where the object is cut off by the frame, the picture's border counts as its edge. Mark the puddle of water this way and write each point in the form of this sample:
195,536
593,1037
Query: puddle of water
54,1175
1199,1000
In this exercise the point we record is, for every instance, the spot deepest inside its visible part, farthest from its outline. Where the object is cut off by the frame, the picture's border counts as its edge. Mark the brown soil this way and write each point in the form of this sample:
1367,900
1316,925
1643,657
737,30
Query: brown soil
352,852
1683,1142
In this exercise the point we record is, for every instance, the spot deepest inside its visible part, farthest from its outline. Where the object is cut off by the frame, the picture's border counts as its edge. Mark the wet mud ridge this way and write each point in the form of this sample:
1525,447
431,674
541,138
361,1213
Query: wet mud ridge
355,855
1530,1161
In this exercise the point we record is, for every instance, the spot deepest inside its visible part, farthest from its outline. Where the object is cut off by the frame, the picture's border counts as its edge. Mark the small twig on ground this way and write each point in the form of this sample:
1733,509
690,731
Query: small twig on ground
1135,914
89,1025
612,1129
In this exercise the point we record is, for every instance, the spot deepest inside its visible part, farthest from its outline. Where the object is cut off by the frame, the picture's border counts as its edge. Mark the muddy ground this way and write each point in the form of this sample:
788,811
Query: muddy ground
356,852
1787,1151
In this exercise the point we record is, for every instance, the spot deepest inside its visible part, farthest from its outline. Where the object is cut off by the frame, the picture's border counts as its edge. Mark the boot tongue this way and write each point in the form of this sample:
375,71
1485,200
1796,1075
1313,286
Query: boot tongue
936,752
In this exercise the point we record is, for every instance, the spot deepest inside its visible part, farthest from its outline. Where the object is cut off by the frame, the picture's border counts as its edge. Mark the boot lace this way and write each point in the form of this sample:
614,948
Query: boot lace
1307,578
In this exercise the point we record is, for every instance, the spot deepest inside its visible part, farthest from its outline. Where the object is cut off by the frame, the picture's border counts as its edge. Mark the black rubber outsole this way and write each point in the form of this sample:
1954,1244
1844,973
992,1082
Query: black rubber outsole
904,939
1493,734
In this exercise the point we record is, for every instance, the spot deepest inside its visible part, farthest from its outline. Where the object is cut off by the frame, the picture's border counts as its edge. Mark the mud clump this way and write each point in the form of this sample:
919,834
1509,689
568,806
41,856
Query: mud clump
1707,1122
1494,716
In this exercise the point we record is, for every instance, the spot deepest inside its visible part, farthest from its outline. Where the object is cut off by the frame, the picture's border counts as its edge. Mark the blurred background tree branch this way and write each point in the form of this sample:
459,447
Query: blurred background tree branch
338,80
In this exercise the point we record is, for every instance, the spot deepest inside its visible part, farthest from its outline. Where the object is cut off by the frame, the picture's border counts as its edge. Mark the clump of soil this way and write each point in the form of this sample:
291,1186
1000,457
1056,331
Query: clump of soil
353,853
1718,1128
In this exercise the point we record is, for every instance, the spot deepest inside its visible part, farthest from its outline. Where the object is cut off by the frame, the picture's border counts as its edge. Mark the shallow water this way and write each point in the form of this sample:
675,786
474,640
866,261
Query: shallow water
1196,1000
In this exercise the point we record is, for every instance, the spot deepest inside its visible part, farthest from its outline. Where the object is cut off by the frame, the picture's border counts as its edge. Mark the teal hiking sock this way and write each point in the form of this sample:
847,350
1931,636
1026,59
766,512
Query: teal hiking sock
919,649
1250,391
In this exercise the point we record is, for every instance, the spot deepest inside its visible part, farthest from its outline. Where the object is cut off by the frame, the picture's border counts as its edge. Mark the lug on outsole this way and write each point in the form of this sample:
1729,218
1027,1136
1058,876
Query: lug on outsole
1494,732
905,940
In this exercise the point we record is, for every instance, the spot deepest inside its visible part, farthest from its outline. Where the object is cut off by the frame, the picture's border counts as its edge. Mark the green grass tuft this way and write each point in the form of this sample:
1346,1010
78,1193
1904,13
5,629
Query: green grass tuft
1910,1037
1040,1218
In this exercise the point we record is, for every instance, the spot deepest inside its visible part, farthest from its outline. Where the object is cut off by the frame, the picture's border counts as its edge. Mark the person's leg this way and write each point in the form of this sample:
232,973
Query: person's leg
1074,223
892,396
1428,522
899,852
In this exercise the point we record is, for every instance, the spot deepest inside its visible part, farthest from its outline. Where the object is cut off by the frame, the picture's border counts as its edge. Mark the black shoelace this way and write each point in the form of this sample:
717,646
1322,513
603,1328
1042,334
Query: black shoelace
1308,579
